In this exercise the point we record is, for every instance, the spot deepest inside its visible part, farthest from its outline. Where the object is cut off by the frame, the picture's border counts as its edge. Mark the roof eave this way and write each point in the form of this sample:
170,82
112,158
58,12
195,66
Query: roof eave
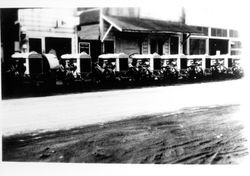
158,31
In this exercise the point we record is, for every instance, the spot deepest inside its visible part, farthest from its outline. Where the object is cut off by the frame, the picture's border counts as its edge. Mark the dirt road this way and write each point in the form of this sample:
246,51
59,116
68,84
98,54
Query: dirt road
201,135
67,111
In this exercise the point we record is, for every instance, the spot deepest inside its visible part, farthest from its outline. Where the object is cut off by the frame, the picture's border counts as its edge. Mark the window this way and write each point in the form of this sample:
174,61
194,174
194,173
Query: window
35,44
235,52
84,47
197,46
174,45
218,32
233,33
108,46
218,45
235,48
153,46
204,30
236,44
156,46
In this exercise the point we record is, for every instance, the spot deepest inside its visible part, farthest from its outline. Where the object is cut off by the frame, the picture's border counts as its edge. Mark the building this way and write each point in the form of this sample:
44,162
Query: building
115,30
47,30
112,30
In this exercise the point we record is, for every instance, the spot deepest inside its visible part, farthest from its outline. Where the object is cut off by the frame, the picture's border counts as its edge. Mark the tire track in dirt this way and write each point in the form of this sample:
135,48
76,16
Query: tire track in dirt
185,136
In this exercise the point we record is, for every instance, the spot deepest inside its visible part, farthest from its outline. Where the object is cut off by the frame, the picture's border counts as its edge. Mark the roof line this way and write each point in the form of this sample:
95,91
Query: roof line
112,23
154,31
87,10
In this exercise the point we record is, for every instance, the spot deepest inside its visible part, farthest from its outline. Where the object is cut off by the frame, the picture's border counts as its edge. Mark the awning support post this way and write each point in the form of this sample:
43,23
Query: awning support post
105,35
185,39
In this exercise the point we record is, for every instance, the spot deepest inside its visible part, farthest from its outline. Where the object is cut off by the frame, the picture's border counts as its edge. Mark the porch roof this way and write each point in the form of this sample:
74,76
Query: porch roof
145,25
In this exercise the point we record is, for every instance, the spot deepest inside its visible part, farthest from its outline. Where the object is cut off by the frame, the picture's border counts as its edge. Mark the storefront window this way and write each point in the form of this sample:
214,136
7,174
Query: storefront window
197,46
218,45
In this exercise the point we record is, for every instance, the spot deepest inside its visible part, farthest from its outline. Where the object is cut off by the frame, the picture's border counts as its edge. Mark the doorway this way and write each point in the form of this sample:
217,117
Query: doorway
218,45
59,45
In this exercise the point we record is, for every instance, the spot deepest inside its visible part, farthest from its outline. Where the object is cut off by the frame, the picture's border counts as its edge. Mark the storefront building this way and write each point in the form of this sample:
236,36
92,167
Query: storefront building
48,30
113,30
116,30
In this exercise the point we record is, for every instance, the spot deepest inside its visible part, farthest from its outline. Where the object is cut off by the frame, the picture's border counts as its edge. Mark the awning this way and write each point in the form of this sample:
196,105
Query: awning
144,25
89,32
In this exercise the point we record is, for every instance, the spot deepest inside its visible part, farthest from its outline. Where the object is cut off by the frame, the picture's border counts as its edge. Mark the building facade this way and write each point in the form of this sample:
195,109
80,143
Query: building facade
112,30
48,30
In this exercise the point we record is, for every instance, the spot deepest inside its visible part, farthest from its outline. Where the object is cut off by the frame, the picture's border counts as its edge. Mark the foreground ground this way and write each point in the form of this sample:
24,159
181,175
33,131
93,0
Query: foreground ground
200,135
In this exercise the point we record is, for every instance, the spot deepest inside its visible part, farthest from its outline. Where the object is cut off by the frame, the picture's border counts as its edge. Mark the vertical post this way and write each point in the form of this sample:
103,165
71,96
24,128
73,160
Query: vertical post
207,46
117,61
203,63
78,65
229,49
180,48
43,45
101,26
27,71
114,37
226,61
151,62
188,46
178,62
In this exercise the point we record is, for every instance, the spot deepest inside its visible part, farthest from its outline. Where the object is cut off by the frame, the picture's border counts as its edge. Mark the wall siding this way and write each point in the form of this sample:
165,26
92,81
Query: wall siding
127,46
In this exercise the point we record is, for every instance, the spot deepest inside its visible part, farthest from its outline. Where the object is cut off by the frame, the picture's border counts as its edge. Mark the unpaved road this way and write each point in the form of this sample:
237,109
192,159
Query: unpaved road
198,123
67,111
201,135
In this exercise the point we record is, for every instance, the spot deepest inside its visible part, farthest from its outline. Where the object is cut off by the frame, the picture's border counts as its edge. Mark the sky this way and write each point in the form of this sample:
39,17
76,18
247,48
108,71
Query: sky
216,13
